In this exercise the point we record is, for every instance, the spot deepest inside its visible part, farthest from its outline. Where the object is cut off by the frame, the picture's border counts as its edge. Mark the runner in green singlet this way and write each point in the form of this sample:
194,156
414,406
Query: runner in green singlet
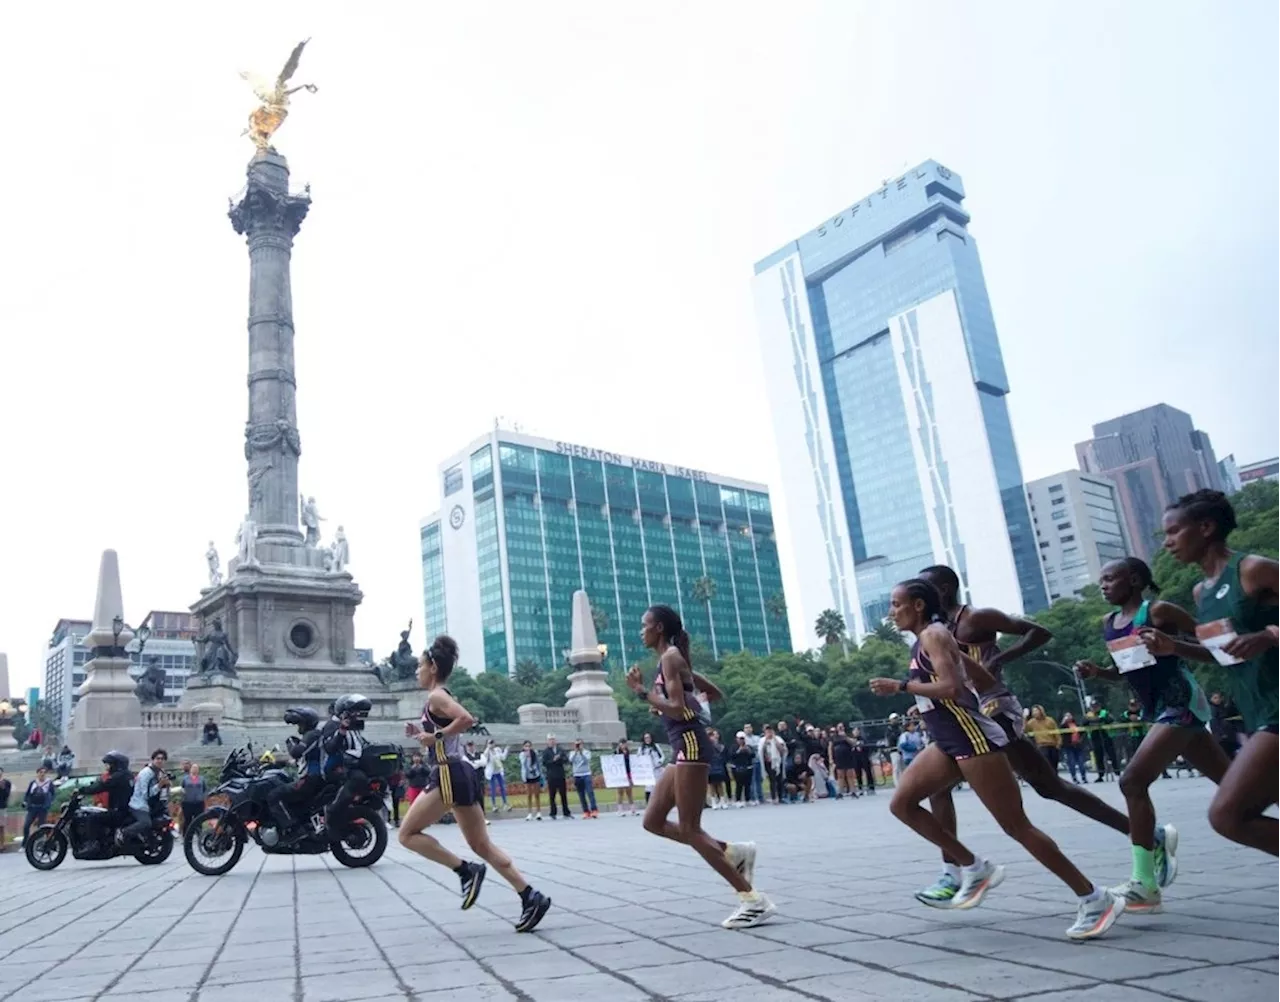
1241,588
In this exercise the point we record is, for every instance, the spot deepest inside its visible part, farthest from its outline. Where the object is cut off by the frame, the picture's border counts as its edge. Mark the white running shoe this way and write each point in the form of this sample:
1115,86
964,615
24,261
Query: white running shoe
1097,916
742,856
1166,853
1138,899
538,816
739,805
974,884
528,817
753,909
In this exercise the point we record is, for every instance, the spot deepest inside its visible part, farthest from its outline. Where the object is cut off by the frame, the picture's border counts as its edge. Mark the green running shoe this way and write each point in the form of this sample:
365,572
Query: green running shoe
940,893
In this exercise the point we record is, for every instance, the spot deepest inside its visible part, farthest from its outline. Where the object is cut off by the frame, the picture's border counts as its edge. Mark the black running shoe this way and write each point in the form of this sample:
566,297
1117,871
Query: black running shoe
471,884
534,909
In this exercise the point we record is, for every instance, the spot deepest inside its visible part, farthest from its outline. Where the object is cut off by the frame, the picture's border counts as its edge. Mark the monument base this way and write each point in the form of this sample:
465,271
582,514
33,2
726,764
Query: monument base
107,716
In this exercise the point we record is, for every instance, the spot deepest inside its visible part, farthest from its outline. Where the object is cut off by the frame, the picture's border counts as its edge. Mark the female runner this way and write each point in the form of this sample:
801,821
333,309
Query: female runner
453,785
1238,594
1174,705
683,785
964,741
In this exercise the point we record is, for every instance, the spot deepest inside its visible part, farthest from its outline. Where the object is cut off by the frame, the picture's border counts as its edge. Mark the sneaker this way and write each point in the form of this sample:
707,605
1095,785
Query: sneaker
751,911
533,911
975,884
528,817
1138,899
941,893
537,817
742,856
1096,917
472,883
738,805
1166,853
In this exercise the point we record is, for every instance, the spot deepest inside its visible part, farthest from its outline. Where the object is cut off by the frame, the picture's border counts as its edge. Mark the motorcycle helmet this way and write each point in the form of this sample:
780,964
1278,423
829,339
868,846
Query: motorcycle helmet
116,761
302,717
352,708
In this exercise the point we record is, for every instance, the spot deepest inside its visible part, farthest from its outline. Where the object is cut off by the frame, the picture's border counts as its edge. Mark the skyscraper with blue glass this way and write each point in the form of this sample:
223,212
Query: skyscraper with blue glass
525,522
888,396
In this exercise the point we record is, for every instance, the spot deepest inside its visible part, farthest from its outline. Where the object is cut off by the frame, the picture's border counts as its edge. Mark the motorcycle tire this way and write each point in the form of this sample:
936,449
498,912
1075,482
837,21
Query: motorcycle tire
232,858
374,820
43,836
150,857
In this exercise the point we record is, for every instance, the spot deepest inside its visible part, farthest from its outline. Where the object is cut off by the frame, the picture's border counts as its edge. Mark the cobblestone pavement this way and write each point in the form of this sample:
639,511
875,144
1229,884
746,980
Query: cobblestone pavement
638,918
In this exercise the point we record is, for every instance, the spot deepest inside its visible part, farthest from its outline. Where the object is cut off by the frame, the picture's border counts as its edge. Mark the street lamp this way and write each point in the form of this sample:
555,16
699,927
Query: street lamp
1077,682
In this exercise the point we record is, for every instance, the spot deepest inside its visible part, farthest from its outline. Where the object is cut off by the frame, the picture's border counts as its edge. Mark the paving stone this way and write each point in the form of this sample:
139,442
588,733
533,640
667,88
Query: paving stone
259,991
986,976
543,965
791,965
595,987
447,974
1212,984
641,953
875,986
356,985
668,979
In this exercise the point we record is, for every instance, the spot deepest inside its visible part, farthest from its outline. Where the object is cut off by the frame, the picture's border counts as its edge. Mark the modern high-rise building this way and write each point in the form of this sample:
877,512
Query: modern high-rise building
1154,456
888,394
1230,474
1266,469
525,522
1079,528
170,642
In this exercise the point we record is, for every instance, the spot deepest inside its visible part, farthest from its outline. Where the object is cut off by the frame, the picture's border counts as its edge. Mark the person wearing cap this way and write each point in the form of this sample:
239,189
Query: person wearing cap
891,734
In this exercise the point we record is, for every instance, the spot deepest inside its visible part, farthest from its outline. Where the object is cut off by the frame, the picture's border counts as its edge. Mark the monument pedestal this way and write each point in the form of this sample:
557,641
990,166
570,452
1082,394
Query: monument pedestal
592,696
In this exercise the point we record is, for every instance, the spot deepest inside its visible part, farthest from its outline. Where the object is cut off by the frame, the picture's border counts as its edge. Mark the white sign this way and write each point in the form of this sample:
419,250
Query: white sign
614,769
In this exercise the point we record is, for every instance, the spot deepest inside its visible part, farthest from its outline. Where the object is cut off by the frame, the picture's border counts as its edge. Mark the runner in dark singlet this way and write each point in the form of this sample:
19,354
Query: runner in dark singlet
976,631
683,785
1239,595
453,786
964,743
1174,706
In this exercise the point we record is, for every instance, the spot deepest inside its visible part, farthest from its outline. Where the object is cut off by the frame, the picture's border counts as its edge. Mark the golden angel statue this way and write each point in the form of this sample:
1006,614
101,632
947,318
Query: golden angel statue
264,120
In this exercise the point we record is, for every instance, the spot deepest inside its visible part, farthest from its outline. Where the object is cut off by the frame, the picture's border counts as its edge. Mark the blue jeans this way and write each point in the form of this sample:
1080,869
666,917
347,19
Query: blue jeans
497,788
586,793
757,781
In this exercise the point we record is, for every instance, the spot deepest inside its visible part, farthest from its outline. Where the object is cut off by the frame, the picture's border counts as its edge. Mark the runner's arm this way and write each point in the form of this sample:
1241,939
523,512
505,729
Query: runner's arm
1030,635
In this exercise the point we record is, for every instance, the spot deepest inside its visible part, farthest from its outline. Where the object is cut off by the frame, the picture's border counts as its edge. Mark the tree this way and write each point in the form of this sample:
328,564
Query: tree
49,720
599,619
888,633
704,590
776,606
528,674
830,627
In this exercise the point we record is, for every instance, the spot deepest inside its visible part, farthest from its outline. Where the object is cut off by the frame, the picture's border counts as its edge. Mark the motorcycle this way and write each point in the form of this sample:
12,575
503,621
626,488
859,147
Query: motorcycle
214,841
89,832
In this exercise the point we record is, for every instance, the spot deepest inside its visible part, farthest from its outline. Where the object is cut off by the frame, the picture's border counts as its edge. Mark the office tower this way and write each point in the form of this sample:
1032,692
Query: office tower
888,394
1079,528
525,522
1154,456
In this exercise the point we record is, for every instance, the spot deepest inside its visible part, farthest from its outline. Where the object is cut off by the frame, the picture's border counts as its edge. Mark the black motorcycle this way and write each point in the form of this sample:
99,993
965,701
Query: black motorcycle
89,832
215,839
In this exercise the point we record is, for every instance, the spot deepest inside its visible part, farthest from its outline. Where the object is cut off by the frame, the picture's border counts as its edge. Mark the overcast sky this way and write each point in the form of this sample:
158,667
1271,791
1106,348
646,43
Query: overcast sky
551,212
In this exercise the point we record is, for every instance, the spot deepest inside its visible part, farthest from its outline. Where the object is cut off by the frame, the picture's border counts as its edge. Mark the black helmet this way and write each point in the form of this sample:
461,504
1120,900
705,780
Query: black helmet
115,761
303,717
353,708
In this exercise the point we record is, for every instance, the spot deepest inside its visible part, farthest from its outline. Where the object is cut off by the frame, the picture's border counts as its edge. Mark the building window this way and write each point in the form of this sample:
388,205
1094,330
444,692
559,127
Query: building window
452,480
1063,525
1044,545
1067,539
1056,489
1057,501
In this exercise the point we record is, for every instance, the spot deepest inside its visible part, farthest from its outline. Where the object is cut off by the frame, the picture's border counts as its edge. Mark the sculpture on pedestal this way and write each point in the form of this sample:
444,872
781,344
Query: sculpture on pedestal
338,551
246,542
265,120
311,519
401,664
215,565
150,687
218,654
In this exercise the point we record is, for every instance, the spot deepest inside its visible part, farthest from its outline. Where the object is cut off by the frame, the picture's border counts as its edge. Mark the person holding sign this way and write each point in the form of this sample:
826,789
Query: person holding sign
684,785
1174,705
1236,611
967,745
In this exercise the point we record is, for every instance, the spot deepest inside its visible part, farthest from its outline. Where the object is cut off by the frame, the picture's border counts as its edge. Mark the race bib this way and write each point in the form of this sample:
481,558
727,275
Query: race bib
923,704
1215,636
1130,653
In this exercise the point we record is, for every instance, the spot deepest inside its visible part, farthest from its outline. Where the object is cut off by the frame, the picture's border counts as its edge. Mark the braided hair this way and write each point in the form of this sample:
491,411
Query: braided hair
1207,506
918,588
1138,568
672,630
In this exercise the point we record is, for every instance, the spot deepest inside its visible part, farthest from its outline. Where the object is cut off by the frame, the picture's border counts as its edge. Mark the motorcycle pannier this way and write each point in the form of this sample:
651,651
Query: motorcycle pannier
382,760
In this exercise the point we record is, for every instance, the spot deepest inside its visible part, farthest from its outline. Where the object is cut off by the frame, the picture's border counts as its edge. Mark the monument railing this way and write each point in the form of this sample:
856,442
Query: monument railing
169,719
537,713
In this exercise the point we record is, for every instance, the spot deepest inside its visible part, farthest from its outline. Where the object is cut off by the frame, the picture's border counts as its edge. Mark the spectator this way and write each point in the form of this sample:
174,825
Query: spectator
840,755
1073,747
476,760
554,762
1043,730
799,777
892,731
910,742
757,767
822,776
862,762
788,737
495,774
531,776
580,763
38,799
210,735
50,759
718,771
194,793
1128,738
742,763
656,755
36,738
65,762
626,793
1224,721
6,788
416,777
1098,720
773,757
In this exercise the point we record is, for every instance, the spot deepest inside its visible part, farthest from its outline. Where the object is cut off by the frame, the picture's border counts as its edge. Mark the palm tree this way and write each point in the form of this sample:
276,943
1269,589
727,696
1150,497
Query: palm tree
889,633
776,606
528,673
830,627
704,590
600,620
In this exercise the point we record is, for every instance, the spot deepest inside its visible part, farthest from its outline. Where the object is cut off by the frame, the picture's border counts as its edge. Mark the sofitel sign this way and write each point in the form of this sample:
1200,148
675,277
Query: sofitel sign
883,192
648,465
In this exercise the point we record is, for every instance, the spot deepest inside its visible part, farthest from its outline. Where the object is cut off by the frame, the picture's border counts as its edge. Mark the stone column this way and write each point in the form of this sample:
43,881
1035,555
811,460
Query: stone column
589,690
269,217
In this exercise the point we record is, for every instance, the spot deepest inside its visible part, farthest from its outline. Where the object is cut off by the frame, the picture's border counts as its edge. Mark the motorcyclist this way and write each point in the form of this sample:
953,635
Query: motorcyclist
306,751
117,784
342,743
150,786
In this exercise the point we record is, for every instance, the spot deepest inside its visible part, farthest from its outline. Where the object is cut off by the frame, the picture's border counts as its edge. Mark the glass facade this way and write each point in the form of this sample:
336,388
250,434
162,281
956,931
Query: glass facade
900,247
548,524
437,621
